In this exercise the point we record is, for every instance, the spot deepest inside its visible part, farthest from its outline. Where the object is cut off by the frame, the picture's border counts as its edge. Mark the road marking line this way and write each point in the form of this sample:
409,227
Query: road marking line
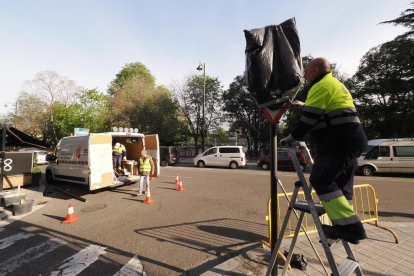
6,242
133,268
80,261
30,255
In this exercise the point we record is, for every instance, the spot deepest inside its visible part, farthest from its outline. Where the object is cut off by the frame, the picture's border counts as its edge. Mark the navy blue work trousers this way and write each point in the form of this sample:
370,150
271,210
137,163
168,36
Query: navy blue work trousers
117,159
335,171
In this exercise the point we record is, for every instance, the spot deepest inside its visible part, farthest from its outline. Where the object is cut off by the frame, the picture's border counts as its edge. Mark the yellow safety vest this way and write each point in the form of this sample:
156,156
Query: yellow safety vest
118,150
144,166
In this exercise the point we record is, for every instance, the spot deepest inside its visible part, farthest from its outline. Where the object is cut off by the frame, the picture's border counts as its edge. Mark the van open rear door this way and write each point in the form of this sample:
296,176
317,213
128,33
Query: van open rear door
153,149
100,161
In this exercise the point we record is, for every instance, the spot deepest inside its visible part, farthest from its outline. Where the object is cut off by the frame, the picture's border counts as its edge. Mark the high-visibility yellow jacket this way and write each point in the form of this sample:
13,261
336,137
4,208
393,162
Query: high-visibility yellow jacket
330,116
118,151
146,166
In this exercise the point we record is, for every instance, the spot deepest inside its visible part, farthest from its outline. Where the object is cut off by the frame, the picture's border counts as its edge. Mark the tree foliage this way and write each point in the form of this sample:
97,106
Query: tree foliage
406,19
244,115
52,91
189,97
130,72
135,101
384,89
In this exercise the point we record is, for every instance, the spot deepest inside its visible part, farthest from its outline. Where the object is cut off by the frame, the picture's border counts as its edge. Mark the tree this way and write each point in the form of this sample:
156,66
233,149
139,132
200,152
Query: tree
244,114
52,90
131,71
135,101
384,89
189,96
406,19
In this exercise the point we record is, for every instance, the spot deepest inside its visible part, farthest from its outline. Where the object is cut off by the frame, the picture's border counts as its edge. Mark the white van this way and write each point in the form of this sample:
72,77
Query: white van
223,156
388,155
88,159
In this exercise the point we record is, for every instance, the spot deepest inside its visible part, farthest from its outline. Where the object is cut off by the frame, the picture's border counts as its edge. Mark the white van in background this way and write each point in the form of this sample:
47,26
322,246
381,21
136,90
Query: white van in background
87,159
388,155
222,156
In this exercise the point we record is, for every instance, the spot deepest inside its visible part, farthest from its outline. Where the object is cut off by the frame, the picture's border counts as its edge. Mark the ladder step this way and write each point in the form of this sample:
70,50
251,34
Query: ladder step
347,267
303,206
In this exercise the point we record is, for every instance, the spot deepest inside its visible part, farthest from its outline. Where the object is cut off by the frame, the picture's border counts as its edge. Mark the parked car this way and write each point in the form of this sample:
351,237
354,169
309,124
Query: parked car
284,161
169,155
39,155
222,156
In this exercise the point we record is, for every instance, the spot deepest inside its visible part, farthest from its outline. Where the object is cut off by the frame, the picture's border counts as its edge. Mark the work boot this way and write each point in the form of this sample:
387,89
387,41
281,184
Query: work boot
139,193
344,232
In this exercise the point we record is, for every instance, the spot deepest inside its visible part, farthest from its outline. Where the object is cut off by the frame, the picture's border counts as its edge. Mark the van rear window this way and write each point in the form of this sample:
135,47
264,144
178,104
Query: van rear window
404,151
229,150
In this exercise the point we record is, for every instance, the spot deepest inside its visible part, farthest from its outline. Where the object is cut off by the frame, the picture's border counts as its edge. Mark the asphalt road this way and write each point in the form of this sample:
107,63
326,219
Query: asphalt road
220,211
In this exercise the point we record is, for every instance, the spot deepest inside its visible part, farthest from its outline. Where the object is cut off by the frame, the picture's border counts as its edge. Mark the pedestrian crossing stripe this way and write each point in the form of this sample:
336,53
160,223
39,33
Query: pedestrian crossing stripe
6,242
80,261
30,255
70,266
133,268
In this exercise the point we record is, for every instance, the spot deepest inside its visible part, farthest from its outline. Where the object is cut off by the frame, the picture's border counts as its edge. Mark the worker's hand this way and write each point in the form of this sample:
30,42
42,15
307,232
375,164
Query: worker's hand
124,158
287,140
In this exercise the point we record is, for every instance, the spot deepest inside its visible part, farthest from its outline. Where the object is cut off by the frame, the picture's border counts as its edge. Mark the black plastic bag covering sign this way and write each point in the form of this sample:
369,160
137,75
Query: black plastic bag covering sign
273,62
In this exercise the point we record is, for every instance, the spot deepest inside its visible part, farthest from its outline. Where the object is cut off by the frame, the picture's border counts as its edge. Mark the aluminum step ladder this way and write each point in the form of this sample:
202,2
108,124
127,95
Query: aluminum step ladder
350,264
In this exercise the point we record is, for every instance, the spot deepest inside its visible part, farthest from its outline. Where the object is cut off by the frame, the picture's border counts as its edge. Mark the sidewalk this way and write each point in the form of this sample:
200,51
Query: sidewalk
32,192
378,255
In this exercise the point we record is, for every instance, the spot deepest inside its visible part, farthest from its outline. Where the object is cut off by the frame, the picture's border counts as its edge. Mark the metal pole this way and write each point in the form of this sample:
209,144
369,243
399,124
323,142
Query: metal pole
204,107
273,189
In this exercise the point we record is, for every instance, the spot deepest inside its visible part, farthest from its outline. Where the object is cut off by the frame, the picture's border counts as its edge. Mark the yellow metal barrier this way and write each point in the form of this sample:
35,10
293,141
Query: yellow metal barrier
365,206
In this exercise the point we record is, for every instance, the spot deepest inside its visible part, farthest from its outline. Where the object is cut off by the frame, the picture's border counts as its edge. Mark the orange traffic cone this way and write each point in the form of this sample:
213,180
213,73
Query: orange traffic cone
180,187
151,178
148,199
70,216
177,181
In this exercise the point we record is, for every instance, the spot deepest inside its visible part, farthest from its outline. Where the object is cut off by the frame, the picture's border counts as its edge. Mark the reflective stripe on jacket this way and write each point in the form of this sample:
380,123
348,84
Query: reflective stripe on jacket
330,116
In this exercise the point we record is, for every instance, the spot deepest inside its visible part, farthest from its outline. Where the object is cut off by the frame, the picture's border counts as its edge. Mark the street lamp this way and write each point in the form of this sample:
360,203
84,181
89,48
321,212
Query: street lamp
202,66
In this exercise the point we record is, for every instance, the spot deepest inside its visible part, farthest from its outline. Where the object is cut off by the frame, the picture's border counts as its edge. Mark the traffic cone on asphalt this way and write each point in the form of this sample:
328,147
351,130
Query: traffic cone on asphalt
180,187
148,199
70,216
177,181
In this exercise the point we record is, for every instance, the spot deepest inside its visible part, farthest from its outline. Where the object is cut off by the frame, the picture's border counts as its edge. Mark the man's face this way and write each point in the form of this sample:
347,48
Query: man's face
143,153
310,73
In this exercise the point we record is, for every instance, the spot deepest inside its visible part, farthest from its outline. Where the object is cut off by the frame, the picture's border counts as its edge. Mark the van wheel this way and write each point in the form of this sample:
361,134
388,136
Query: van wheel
265,166
164,163
201,164
49,178
234,165
367,170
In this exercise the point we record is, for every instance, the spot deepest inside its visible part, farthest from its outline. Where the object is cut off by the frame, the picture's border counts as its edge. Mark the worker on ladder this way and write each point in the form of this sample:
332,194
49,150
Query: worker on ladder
330,116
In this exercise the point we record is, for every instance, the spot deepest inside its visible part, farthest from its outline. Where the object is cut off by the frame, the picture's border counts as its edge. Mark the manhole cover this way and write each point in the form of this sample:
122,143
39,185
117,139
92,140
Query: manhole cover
93,208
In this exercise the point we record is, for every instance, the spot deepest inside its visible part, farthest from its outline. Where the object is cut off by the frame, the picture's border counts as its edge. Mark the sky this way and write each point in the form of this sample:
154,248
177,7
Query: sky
90,41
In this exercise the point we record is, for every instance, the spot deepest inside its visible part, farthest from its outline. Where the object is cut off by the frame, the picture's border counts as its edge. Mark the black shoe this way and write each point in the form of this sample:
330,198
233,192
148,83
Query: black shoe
340,232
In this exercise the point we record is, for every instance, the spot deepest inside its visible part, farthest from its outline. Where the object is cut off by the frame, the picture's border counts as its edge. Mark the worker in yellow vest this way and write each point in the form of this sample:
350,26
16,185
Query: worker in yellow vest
118,154
330,116
145,169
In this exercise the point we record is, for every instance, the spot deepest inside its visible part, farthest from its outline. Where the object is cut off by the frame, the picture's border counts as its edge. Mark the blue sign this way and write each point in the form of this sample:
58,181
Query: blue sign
81,131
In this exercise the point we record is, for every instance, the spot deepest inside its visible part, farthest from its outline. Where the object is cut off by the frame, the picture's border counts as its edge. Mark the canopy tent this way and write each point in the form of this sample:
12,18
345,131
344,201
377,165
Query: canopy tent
17,138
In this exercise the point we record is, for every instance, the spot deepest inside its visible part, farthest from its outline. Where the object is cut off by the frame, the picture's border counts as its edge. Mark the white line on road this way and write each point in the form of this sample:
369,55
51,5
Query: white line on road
30,255
6,242
133,268
81,260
